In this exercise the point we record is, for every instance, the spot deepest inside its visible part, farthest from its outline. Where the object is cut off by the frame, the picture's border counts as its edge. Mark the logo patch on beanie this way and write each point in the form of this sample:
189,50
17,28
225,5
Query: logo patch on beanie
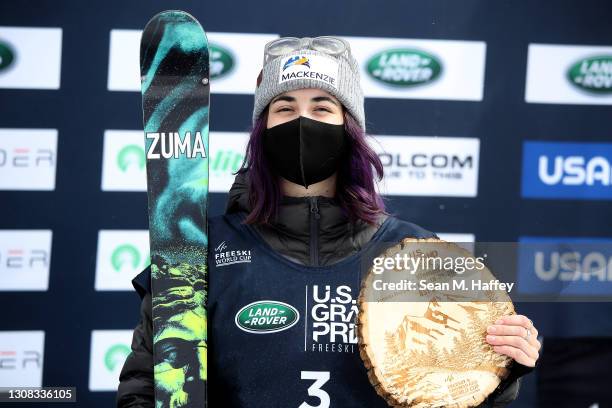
315,67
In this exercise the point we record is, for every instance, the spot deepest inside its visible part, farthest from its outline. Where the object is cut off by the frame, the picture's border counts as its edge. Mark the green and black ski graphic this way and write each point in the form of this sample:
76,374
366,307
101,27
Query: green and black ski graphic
174,66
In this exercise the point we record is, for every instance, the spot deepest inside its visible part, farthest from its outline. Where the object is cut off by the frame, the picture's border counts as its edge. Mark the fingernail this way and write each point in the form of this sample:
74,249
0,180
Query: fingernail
499,321
491,329
491,338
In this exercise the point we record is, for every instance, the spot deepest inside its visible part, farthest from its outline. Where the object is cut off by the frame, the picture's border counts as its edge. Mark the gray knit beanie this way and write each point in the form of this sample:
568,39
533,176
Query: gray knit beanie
307,68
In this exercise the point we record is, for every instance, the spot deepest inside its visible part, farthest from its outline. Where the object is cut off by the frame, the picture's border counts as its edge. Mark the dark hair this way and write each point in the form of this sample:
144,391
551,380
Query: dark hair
355,186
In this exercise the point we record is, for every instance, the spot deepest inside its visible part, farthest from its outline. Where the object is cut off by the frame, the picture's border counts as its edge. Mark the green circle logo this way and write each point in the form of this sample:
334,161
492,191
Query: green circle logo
125,254
7,55
131,155
115,355
222,61
404,67
593,74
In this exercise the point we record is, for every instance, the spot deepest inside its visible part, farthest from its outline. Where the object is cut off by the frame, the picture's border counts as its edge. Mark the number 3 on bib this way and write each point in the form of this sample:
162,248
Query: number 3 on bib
320,378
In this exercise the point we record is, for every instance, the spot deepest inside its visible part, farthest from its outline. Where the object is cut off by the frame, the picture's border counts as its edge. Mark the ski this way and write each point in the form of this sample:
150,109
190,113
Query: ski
174,68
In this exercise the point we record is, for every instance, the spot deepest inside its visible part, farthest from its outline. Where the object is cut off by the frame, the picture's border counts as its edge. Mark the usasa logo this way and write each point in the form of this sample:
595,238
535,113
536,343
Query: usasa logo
404,67
266,316
592,74
571,170
7,55
222,61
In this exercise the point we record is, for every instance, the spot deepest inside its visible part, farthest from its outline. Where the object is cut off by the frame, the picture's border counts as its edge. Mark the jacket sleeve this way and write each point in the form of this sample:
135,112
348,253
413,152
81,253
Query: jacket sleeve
508,389
136,379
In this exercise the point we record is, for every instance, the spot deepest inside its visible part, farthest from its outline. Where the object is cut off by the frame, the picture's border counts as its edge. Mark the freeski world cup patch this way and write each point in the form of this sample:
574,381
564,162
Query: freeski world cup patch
307,66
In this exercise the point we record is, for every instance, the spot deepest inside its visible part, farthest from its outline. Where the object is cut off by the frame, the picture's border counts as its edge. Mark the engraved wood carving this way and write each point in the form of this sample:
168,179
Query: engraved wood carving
430,351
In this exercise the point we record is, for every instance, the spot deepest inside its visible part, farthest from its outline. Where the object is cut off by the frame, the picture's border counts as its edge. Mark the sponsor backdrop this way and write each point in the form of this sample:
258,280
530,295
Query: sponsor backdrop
492,120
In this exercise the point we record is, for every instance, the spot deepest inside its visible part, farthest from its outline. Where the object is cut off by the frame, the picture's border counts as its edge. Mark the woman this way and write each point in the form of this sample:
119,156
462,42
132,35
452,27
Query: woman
302,215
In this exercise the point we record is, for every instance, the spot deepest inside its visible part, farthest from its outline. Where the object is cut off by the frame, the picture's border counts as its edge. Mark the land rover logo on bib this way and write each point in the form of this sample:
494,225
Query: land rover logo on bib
6,56
404,67
221,61
266,316
592,74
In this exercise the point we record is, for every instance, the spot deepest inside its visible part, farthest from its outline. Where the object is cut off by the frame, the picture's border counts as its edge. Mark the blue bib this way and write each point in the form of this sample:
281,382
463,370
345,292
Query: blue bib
282,334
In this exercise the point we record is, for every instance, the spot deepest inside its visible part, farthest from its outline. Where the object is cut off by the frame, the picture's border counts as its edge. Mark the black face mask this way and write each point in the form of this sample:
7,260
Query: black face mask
304,151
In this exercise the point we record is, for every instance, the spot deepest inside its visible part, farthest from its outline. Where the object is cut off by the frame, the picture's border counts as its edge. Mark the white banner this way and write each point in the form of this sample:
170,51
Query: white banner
428,166
420,69
21,358
28,159
235,61
30,58
25,258
569,74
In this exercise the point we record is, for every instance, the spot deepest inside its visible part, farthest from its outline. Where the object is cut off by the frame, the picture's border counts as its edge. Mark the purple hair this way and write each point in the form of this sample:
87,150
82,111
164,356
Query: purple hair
355,188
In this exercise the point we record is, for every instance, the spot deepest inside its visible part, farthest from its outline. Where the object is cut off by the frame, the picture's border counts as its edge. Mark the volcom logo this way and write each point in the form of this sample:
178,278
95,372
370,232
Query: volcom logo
231,257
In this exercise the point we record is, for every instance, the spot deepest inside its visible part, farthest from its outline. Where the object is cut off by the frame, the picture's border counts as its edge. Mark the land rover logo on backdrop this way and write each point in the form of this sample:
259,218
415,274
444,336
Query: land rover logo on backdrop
221,61
30,57
231,60
593,74
7,55
266,316
416,68
404,67
569,74
429,166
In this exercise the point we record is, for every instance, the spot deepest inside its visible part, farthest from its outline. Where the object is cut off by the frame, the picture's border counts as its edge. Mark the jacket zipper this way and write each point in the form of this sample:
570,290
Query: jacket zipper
314,231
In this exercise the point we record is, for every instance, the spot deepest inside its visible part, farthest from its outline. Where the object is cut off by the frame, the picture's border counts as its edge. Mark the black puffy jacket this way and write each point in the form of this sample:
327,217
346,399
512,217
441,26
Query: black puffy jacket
293,236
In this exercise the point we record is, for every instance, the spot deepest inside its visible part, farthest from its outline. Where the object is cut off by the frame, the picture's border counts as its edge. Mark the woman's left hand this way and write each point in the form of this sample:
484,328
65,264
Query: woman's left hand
516,337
